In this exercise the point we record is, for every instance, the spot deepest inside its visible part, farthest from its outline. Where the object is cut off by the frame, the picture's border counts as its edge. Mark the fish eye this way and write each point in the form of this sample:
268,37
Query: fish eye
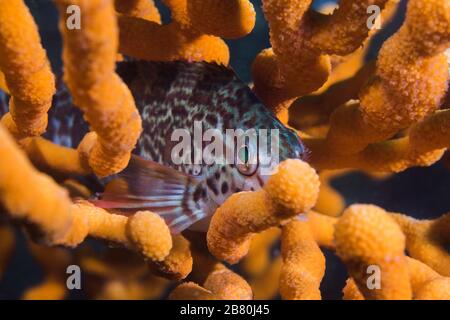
246,160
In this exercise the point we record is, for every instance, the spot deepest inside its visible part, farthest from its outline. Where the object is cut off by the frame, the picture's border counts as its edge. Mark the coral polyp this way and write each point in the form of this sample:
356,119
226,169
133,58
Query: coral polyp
87,167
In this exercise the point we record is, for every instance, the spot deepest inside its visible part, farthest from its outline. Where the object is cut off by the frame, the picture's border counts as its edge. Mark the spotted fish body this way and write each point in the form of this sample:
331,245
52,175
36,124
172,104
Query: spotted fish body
170,96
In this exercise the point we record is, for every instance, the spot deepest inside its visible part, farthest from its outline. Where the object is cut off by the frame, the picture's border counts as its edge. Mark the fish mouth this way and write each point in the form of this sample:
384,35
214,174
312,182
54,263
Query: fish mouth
255,182
262,179
263,174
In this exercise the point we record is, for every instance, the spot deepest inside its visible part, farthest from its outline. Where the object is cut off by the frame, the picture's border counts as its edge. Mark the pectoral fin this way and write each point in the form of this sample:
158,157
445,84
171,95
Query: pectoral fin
147,185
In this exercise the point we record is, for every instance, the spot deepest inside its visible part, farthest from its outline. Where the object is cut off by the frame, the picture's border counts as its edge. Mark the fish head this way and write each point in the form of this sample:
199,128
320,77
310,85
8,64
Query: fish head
258,155
291,146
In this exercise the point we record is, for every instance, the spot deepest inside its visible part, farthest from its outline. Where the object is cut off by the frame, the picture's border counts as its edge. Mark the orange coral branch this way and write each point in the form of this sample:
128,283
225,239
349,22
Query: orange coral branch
26,69
387,156
167,42
432,133
410,81
424,145
322,228
426,240
420,274
49,156
191,291
366,236
222,284
99,92
178,263
314,110
303,263
345,30
292,190
193,35
227,285
330,202
266,285
258,258
3,85
144,9
226,19
145,232
426,284
31,196
437,289
351,291
298,63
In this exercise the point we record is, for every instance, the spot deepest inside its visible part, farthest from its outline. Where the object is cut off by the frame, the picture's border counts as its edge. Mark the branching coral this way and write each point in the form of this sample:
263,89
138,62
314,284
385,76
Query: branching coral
409,83
222,284
426,284
426,240
303,263
266,285
144,9
329,202
37,205
26,69
51,157
178,263
366,236
411,73
105,100
424,145
34,198
382,116
322,228
292,190
258,258
3,85
193,33
107,103
298,62
362,227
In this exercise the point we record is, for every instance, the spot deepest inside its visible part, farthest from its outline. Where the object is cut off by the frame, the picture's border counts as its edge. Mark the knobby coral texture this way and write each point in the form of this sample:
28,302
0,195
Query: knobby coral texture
356,209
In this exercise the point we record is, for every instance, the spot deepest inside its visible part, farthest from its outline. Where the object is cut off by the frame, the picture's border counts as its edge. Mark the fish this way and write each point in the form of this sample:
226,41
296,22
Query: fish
174,96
